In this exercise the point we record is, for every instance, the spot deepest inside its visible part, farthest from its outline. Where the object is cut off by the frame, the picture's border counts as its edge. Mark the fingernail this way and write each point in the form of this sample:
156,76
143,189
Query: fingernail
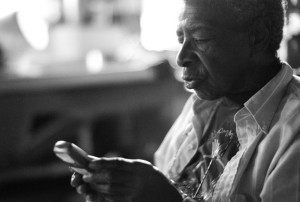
87,176
89,198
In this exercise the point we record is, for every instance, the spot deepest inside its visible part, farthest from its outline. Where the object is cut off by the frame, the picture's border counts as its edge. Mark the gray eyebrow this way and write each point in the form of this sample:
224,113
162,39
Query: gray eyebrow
192,28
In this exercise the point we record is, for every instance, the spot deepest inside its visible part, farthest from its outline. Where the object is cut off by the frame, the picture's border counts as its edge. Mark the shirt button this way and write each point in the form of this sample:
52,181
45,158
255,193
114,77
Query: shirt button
188,128
264,127
192,146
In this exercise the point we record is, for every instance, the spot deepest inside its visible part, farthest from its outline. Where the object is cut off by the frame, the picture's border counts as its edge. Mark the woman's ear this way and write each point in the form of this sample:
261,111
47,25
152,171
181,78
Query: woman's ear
260,35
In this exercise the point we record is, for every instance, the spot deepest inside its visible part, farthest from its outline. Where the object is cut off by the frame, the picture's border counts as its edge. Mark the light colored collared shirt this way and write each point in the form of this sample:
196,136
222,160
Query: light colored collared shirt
267,166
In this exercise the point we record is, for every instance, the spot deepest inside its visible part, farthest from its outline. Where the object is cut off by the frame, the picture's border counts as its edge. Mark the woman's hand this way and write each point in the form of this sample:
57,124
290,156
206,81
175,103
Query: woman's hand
85,189
119,179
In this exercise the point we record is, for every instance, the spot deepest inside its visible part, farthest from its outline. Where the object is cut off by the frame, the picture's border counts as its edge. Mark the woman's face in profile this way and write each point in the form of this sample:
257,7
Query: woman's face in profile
215,57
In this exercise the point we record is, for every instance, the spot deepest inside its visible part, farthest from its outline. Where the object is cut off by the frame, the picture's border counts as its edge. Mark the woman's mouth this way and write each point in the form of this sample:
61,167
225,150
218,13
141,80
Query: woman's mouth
191,84
192,80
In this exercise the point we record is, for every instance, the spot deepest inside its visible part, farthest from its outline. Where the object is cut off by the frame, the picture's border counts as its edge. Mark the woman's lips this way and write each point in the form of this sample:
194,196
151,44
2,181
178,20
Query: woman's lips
192,83
192,78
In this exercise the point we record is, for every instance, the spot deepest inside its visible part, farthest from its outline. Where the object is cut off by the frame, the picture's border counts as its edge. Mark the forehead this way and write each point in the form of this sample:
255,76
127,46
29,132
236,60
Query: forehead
195,13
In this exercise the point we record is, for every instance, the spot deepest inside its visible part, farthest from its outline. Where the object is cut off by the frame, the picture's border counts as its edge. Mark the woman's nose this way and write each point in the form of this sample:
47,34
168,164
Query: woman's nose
185,55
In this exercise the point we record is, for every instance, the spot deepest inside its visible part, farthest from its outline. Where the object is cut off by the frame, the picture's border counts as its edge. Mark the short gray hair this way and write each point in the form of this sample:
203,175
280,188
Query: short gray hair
244,12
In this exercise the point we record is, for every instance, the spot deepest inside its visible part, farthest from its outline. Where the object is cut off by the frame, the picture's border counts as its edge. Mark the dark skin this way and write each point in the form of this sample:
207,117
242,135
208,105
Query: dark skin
124,180
269,73
218,59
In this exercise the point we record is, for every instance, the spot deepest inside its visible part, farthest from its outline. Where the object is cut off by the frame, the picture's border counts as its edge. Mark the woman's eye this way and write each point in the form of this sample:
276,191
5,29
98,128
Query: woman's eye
180,40
202,40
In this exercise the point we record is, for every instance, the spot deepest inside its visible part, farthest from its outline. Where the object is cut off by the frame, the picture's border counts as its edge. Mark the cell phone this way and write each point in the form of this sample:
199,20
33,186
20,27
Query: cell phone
72,155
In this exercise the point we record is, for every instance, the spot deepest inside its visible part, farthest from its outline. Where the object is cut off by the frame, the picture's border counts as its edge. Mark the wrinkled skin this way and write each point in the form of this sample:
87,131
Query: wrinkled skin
124,180
216,61
217,57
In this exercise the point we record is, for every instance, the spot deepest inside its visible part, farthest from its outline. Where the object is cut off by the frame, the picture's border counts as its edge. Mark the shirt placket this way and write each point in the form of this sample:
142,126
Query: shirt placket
225,182
247,130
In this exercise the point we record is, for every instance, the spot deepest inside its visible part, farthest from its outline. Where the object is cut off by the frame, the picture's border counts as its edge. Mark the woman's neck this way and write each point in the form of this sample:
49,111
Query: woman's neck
260,77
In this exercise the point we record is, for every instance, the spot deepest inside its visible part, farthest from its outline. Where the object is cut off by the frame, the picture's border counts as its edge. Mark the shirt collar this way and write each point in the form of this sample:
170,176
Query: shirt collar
262,106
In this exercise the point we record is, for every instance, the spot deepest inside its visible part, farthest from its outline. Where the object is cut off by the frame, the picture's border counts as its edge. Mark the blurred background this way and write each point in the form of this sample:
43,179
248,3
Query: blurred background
99,73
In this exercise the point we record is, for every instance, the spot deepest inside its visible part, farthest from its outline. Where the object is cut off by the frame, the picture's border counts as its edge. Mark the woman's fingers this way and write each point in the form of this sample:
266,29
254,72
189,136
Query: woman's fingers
108,176
115,189
94,197
76,179
82,189
119,179
110,163
116,163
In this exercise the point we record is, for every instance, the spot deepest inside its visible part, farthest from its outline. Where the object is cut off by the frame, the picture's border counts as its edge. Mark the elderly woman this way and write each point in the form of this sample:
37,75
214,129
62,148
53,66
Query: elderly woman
238,136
